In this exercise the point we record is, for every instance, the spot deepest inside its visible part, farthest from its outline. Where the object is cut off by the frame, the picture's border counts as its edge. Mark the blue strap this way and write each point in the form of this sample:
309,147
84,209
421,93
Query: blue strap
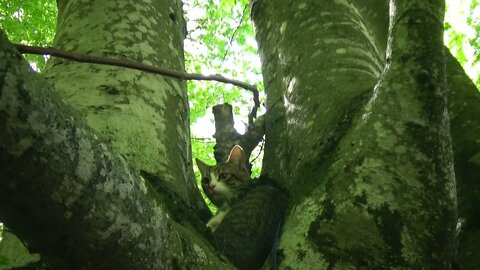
275,247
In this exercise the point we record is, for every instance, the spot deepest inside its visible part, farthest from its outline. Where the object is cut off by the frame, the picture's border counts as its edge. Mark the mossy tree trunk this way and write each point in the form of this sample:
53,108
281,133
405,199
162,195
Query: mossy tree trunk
69,183
143,115
357,130
74,199
464,109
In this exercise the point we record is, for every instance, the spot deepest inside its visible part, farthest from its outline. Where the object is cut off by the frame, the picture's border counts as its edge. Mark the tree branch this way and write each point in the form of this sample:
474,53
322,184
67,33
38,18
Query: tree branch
234,33
147,68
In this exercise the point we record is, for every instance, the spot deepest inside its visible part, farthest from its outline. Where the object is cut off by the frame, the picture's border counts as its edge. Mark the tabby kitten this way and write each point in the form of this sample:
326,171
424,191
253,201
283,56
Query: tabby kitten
225,183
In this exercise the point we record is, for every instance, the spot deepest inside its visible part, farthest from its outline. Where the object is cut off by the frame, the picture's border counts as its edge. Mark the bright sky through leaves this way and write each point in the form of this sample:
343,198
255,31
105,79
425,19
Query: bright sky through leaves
462,27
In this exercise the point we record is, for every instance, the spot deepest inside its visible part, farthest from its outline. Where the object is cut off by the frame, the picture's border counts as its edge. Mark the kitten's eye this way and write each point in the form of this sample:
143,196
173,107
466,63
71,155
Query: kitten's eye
223,176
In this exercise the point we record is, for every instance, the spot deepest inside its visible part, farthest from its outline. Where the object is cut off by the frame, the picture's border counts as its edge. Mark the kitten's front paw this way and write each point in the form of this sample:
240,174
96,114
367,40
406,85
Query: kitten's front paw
213,225
215,221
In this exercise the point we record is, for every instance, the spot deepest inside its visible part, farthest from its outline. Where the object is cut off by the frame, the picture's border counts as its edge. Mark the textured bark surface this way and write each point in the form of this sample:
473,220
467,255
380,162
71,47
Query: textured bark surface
144,115
313,76
464,109
370,172
70,197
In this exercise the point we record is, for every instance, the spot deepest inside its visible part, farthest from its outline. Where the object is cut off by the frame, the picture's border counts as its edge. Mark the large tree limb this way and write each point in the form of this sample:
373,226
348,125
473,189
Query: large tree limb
69,196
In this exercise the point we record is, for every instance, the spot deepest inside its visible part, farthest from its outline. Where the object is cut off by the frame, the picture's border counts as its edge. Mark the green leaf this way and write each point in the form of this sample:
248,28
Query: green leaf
13,253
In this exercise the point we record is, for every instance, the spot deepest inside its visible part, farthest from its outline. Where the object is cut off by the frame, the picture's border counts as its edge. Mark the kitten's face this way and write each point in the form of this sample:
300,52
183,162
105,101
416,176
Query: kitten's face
226,181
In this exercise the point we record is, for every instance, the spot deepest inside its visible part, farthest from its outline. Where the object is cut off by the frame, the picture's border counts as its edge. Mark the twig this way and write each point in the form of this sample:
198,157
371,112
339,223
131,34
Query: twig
134,65
203,139
234,33
259,152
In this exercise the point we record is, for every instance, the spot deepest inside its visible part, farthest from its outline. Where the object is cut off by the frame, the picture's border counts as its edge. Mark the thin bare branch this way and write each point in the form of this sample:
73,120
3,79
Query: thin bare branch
139,66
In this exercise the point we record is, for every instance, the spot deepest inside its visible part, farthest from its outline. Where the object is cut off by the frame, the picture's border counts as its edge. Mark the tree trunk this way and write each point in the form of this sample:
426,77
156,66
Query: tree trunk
64,190
464,109
369,169
70,197
143,115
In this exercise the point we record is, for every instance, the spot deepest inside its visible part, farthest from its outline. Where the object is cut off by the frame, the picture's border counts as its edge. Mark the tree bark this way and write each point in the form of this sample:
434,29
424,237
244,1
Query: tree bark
143,115
464,109
369,172
332,70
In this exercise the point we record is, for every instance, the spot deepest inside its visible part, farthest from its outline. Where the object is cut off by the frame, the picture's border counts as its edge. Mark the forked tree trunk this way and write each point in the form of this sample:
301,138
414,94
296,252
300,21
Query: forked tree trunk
362,143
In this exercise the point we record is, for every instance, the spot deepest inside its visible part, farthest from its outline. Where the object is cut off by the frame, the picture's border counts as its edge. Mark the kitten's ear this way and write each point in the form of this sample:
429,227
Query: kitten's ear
237,156
203,167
